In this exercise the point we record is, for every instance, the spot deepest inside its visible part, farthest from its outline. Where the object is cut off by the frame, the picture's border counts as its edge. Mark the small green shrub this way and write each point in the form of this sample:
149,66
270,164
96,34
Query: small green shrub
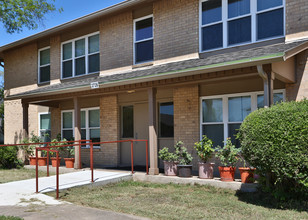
8,158
165,155
185,158
228,154
56,146
204,148
275,141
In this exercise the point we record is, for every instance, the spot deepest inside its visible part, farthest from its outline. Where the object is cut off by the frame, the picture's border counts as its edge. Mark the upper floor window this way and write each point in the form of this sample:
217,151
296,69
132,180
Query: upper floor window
44,65
227,23
80,56
143,39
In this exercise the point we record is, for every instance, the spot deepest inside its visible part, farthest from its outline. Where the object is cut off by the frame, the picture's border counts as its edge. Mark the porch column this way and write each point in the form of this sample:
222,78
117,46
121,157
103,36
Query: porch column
153,132
25,120
268,84
77,131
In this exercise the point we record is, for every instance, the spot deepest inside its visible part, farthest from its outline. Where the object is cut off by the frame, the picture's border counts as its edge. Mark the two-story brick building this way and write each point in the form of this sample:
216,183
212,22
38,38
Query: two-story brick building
166,70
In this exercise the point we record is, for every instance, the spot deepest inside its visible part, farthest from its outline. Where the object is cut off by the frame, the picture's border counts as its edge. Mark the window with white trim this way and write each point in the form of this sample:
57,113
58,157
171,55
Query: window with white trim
44,126
221,116
80,56
227,23
143,39
44,65
90,124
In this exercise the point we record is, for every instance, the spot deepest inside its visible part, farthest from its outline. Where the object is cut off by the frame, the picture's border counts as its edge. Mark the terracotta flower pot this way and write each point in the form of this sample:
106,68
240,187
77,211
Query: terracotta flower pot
227,173
69,162
42,161
206,170
170,168
32,160
54,161
184,170
247,174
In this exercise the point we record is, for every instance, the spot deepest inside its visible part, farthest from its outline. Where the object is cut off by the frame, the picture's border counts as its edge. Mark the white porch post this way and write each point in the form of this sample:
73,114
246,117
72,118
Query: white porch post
77,131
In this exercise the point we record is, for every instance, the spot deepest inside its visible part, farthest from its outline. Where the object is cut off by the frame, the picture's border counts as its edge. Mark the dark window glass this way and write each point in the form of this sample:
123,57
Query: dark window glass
144,29
67,69
144,51
270,24
266,4
45,135
166,123
45,57
67,51
212,37
215,133
45,74
128,122
68,135
239,31
238,8
80,66
95,135
233,129
211,11
83,134
93,63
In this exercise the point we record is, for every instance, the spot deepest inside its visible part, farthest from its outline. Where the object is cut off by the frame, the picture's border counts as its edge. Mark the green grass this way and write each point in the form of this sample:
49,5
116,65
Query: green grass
2,217
169,201
18,174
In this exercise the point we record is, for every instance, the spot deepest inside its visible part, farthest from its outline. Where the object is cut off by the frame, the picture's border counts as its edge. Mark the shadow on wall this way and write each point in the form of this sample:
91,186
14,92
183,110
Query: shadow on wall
17,137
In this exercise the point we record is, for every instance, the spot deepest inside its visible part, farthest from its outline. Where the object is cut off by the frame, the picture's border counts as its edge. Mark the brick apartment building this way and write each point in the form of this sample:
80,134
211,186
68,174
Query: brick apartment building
166,70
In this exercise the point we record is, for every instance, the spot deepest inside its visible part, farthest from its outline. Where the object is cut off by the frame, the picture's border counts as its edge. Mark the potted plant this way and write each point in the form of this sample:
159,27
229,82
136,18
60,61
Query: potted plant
69,161
29,150
60,149
185,158
170,161
228,156
204,150
247,173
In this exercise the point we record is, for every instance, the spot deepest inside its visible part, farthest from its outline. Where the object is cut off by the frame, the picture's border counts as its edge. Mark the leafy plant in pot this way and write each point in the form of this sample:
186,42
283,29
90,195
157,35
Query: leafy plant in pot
60,149
69,161
29,150
185,158
247,173
228,156
204,150
170,161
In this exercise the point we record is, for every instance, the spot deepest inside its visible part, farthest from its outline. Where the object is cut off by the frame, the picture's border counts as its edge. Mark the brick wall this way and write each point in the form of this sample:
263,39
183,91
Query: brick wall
175,28
55,115
186,117
116,41
299,90
296,19
55,58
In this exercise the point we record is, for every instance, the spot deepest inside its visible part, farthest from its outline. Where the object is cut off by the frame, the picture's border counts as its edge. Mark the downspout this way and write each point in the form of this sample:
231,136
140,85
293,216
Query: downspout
268,86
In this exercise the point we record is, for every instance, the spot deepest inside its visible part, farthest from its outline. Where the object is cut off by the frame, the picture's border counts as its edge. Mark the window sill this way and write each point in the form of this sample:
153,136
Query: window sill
151,63
80,77
43,84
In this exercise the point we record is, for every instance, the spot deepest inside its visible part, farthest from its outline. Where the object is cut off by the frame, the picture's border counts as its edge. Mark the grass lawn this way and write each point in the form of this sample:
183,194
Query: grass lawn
160,201
2,217
18,174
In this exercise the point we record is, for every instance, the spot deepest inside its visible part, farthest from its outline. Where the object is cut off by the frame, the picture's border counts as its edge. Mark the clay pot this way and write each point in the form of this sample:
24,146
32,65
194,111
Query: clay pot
32,160
184,170
227,173
42,161
247,174
54,161
69,162
170,168
206,170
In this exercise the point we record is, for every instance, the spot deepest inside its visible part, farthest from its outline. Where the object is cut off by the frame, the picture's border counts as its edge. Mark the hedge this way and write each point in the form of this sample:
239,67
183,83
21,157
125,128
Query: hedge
8,158
275,141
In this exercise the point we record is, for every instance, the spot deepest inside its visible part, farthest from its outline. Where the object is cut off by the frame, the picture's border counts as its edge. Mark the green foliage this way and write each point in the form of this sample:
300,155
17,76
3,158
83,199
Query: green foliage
228,154
16,14
204,148
70,151
29,149
165,155
54,143
185,158
8,158
275,141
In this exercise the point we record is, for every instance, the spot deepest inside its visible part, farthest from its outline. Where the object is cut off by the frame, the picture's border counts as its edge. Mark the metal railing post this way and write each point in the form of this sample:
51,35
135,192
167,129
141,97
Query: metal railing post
132,155
80,165
47,161
36,169
91,161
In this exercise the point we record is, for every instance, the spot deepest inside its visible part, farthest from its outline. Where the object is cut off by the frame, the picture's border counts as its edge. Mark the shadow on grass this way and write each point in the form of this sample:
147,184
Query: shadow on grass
267,200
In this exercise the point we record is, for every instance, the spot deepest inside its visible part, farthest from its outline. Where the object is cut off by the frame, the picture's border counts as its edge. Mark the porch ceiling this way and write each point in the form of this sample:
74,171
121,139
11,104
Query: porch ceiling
227,61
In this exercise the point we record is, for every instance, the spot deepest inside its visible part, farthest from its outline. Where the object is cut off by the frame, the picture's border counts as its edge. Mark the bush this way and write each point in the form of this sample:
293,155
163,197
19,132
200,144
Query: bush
8,158
165,155
204,148
275,141
185,158
228,154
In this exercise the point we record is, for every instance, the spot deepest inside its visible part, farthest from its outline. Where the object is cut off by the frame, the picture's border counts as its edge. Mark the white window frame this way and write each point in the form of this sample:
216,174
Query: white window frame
39,64
253,13
39,123
73,59
147,39
225,107
86,110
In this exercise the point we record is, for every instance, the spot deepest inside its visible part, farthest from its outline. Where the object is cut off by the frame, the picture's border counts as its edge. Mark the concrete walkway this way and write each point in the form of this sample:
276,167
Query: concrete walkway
22,193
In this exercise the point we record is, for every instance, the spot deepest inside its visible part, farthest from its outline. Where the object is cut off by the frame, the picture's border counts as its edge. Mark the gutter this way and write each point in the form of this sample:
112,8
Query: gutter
165,75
